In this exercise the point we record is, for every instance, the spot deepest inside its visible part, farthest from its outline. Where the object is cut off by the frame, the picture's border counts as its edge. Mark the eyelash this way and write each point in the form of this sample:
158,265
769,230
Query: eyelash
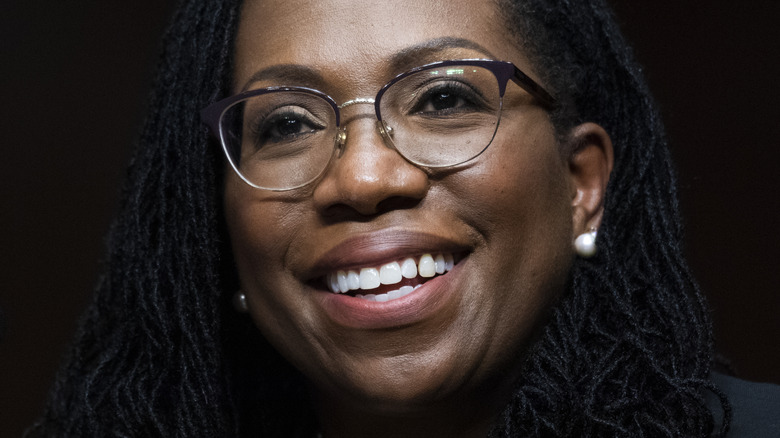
472,98
262,127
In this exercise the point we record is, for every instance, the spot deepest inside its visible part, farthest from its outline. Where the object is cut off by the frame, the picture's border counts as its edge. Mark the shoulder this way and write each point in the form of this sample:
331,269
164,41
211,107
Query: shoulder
755,407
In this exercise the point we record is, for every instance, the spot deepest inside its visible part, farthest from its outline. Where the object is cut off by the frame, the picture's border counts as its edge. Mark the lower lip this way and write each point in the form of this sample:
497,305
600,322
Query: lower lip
422,304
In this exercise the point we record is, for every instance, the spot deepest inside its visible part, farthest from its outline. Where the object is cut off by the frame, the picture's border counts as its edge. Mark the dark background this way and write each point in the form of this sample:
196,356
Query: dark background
73,82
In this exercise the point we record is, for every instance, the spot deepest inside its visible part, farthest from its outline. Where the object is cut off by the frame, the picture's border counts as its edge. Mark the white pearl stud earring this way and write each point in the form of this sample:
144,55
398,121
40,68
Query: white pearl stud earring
239,302
585,244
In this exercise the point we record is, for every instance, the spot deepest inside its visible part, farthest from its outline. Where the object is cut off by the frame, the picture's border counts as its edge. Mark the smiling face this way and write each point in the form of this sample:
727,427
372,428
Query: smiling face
501,226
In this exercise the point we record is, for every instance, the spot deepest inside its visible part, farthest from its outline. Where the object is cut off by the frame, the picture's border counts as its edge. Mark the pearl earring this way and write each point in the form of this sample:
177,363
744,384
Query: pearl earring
239,302
585,244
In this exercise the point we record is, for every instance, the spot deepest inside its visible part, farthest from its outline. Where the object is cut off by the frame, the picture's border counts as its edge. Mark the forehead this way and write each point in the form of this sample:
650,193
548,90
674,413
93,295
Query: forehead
358,40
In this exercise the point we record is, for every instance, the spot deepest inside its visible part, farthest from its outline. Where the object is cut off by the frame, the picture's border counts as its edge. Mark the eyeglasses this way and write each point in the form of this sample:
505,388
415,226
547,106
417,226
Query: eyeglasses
438,115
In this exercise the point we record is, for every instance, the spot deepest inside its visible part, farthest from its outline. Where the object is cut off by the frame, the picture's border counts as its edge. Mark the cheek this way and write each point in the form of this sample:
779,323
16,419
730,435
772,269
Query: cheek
538,209
525,217
524,186
261,229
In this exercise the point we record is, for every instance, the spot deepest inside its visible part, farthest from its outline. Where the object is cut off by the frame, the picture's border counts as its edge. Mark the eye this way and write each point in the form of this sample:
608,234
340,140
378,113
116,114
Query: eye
284,125
444,98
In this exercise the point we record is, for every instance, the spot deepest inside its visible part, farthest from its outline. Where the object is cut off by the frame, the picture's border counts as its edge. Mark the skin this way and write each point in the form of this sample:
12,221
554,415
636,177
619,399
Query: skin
513,213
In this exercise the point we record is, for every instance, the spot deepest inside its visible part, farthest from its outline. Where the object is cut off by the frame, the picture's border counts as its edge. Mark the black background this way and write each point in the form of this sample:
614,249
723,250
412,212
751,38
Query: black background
74,77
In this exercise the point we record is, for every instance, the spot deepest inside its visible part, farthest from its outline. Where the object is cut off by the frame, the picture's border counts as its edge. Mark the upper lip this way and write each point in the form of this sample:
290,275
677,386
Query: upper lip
376,248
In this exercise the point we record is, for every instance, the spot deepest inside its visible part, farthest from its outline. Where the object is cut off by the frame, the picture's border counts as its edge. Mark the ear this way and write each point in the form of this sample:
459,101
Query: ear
590,160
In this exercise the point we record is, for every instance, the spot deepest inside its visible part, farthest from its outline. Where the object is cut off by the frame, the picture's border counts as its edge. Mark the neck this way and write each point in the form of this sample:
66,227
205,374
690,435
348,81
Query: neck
461,417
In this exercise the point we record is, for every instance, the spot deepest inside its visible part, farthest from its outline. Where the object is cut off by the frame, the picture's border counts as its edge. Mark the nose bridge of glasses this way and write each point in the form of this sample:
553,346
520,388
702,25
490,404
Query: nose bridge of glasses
361,135
365,100
348,119
351,114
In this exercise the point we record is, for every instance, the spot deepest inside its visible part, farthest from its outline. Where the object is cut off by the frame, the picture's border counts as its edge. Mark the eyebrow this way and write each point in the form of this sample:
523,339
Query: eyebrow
295,73
400,61
410,57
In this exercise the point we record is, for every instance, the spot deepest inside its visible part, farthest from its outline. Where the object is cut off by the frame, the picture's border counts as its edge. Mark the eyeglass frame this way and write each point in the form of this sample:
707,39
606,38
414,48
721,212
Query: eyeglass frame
504,71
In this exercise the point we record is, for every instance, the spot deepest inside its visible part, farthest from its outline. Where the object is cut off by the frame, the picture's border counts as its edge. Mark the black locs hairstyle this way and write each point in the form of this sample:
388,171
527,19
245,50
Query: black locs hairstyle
159,352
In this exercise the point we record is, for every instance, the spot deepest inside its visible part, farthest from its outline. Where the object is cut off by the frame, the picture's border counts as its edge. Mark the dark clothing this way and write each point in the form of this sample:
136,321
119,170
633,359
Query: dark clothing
755,407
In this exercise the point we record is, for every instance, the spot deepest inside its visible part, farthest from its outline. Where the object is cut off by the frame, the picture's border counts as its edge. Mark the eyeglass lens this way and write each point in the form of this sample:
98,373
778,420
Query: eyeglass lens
436,117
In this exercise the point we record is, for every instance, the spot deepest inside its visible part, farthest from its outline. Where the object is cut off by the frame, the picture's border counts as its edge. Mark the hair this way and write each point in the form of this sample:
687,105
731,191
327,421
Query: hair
159,352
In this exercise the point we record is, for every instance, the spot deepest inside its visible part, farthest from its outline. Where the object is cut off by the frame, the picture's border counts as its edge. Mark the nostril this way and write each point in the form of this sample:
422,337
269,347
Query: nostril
397,203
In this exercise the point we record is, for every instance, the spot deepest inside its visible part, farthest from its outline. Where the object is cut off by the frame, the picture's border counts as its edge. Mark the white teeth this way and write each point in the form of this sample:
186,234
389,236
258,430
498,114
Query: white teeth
333,282
409,268
341,277
427,267
390,296
353,280
343,281
369,278
439,264
390,273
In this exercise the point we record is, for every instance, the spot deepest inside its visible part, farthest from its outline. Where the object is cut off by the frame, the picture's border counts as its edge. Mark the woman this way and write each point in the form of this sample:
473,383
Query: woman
512,334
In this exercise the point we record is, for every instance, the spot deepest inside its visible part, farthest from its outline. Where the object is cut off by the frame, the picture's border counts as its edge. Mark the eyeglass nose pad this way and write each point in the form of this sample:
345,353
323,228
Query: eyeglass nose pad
341,137
385,131
341,140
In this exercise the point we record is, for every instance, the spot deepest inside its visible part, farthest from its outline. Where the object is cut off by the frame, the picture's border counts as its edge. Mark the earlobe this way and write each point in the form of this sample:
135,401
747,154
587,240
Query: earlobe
590,160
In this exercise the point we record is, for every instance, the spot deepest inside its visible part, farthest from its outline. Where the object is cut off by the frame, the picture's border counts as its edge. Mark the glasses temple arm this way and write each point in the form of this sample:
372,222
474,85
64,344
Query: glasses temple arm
534,89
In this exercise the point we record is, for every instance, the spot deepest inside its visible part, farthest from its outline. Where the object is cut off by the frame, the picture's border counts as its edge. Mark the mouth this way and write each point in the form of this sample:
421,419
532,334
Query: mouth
390,281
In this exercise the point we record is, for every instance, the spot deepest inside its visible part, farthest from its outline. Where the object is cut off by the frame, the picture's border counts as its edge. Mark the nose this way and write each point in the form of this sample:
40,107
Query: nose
368,177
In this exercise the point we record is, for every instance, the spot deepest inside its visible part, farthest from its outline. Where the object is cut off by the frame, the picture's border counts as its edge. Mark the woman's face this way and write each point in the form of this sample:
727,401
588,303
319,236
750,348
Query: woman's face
506,218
